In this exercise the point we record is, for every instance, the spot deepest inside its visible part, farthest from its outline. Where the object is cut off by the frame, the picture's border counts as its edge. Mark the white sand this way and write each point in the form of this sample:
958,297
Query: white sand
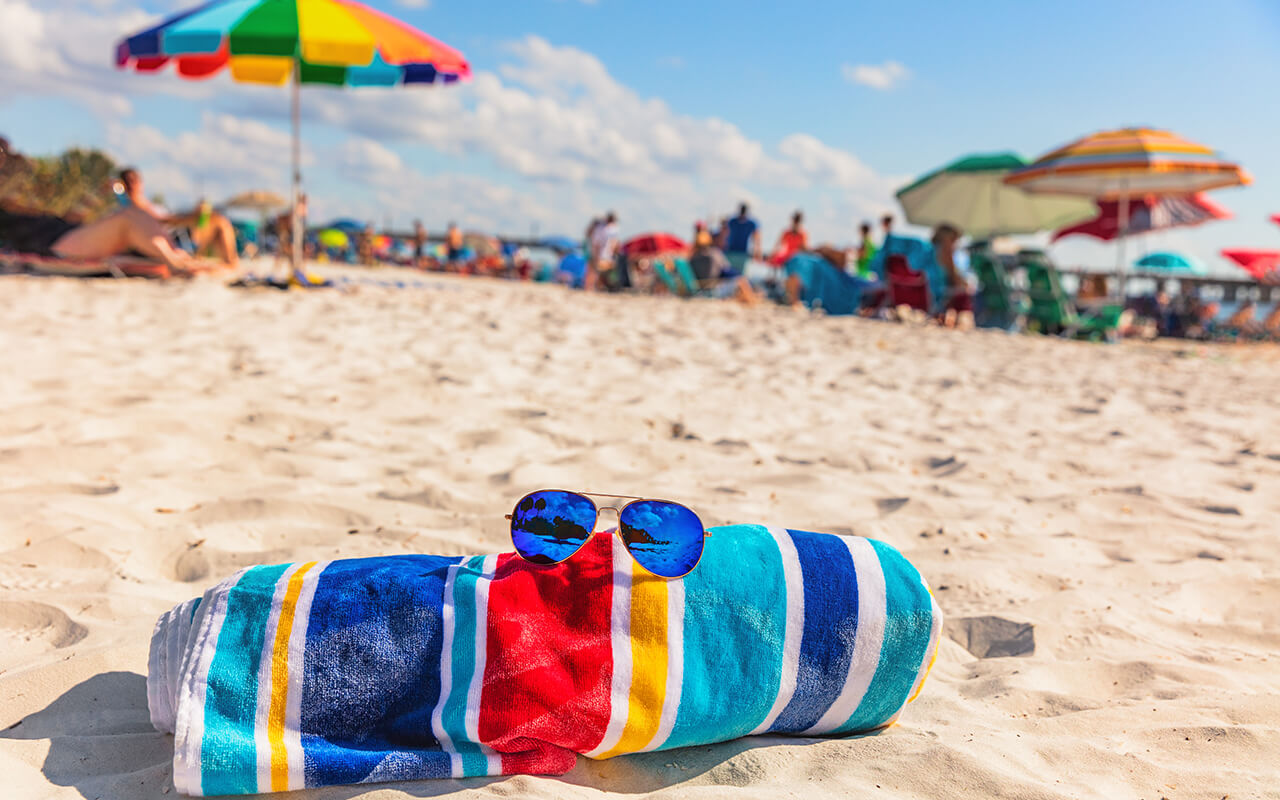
1123,500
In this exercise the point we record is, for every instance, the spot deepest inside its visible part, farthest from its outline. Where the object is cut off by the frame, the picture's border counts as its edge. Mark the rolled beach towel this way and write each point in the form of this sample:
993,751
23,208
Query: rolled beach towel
408,667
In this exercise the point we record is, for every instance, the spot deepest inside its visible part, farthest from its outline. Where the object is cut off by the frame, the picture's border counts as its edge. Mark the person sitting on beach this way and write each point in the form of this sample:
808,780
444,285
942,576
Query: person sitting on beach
793,240
1244,320
1271,325
1092,290
958,305
707,261
741,239
211,232
715,275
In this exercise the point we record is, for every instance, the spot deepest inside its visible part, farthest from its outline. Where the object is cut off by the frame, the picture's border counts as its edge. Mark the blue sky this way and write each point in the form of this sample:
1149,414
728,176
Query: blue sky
671,112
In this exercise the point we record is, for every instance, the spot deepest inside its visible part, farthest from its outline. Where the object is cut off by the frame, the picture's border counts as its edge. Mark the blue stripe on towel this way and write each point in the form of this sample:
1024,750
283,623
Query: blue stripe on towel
372,671
454,715
228,754
830,623
734,626
908,624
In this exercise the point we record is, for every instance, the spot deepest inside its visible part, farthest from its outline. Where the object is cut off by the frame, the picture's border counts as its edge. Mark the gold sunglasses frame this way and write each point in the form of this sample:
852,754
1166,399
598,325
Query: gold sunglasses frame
706,534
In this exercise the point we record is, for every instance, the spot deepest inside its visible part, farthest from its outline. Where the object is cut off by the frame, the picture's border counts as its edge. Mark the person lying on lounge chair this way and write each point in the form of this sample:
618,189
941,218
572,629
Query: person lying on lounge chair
128,231
211,232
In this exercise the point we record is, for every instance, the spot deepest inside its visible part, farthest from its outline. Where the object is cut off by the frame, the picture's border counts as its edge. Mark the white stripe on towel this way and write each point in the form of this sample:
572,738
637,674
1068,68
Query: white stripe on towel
868,638
794,627
620,639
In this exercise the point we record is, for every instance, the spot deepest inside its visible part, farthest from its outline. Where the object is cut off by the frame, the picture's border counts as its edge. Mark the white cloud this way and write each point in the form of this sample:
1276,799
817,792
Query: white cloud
224,156
882,77
366,161
414,3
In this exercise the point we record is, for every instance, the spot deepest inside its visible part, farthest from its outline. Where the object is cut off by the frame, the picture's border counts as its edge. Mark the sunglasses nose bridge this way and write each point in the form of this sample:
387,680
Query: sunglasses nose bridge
617,515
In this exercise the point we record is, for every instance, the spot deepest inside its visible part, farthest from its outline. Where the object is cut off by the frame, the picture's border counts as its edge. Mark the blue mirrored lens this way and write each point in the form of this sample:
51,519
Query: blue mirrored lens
664,538
548,527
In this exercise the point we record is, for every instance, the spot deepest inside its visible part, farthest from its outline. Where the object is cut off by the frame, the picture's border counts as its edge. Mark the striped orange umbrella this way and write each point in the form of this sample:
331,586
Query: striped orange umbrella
1129,162
1125,164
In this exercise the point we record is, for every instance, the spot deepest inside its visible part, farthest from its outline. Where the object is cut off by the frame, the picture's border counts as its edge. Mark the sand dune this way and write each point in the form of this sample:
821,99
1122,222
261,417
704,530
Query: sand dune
1107,514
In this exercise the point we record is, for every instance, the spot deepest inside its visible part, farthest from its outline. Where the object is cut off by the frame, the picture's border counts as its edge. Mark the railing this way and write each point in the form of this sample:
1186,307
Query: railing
1213,289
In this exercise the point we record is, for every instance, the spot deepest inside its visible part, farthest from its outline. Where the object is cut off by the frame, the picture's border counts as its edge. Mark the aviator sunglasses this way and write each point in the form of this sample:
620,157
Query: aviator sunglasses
549,526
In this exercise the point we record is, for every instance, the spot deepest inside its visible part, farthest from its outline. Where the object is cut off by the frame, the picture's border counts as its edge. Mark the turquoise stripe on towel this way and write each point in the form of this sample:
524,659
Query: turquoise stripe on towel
228,754
463,667
908,623
735,621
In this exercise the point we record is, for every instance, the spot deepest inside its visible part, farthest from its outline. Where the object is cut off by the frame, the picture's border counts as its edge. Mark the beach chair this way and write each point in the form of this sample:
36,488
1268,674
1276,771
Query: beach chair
907,287
997,305
1050,310
677,276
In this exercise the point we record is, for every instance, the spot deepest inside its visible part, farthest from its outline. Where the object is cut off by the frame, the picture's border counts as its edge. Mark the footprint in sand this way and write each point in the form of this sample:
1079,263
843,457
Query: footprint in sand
888,505
28,628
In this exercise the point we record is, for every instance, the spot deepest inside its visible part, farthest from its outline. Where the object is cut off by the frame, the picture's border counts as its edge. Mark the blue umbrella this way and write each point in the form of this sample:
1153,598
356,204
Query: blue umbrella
347,225
1170,262
564,244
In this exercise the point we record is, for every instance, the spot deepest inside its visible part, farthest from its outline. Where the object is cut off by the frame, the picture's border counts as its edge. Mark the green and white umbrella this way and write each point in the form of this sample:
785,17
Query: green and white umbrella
972,195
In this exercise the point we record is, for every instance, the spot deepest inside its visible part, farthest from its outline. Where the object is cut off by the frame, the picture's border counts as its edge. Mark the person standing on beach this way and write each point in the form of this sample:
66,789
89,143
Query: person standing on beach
284,229
866,250
886,228
793,240
419,243
604,250
742,239
364,246
453,244
721,234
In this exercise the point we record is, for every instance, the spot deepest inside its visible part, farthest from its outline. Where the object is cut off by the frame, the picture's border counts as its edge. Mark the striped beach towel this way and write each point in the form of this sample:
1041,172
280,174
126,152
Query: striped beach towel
409,667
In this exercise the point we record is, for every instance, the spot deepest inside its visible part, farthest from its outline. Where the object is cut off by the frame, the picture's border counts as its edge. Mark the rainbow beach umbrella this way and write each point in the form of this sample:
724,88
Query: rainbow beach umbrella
1125,164
278,42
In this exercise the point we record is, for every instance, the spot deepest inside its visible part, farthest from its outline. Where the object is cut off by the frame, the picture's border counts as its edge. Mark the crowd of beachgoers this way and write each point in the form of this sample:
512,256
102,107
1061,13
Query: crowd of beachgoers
885,275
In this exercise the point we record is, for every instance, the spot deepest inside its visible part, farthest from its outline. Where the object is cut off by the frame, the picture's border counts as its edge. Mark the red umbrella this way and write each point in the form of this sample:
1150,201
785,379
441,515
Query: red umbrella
1148,214
654,244
1275,218
1261,264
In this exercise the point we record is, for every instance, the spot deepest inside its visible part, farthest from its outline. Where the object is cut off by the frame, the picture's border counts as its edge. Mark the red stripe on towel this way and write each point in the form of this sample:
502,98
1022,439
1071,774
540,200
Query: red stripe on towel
550,659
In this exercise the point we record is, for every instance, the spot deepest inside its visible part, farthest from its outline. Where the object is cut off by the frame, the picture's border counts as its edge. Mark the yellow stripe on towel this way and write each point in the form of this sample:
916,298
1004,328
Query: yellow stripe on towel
280,682
648,661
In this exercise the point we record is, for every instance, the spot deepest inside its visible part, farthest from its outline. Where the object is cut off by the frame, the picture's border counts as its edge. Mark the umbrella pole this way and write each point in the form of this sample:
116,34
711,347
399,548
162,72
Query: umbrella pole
295,258
1124,233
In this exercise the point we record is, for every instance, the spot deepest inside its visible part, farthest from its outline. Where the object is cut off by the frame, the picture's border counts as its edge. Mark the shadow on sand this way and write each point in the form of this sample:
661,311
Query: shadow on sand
101,743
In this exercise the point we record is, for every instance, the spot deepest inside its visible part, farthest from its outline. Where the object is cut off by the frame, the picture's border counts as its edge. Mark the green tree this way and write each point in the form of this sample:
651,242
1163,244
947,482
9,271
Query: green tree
76,184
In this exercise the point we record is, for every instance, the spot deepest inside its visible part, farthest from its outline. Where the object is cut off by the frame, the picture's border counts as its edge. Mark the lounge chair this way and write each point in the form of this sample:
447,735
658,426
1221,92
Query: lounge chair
679,278
824,285
907,287
997,304
1050,310
115,266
